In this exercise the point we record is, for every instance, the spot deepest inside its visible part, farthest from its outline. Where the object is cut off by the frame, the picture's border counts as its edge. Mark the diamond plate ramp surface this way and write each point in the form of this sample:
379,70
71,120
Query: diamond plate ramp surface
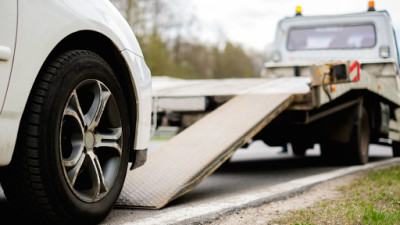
187,159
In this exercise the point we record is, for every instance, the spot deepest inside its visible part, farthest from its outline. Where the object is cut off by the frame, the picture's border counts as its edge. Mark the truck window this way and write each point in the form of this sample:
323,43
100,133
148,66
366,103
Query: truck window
332,37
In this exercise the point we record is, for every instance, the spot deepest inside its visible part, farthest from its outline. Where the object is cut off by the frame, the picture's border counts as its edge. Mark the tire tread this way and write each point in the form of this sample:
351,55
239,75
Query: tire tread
27,152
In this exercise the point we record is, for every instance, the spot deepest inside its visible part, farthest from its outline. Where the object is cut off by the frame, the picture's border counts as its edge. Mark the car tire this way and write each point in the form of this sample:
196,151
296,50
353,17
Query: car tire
73,145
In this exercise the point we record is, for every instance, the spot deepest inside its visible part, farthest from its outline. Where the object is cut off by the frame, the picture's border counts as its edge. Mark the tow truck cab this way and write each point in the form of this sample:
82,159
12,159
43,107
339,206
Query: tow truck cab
330,114
367,37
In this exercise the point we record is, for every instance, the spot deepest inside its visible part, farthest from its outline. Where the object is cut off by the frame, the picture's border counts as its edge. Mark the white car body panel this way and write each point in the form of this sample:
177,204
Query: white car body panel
8,28
41,26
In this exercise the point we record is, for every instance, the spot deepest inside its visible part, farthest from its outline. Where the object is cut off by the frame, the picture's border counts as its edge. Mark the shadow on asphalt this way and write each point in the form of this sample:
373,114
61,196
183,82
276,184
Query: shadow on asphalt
231,177
9,215
235,177
286,163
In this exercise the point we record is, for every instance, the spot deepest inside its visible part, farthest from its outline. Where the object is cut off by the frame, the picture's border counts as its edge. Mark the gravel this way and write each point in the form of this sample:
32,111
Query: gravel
266,213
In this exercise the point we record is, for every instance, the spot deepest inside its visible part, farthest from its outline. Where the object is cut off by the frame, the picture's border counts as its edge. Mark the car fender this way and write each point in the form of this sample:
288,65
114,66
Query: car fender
42,25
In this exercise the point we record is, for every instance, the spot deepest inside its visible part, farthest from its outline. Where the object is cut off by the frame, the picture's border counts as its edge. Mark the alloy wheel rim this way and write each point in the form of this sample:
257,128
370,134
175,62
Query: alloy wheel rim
90,140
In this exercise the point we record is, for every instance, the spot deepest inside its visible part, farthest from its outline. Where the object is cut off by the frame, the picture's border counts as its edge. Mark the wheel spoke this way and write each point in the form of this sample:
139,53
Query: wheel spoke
76,156
74,109
103,185
72,132
110,140
99,103
74,101
94,175
76,167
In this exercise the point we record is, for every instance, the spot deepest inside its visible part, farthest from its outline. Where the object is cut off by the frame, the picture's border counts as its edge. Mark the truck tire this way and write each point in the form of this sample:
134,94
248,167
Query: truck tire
356,150
396,148
359,142
71,156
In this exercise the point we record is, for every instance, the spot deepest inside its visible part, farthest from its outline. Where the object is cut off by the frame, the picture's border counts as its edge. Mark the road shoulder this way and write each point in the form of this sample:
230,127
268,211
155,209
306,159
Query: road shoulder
266,213
208,212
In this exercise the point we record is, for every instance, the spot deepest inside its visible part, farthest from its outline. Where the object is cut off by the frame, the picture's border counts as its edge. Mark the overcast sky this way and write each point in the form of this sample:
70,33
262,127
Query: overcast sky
252,23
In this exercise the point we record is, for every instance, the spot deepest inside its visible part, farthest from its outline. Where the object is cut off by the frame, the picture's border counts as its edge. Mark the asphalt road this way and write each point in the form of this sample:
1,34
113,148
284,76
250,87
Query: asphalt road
249,170
252,169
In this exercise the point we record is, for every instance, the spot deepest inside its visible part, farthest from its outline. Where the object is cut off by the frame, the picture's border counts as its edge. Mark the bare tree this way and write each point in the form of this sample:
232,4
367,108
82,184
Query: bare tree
164,29
149,17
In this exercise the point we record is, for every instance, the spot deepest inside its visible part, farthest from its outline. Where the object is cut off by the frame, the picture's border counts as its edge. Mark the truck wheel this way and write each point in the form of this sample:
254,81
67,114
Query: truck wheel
359,142
353,152
396,148
72,151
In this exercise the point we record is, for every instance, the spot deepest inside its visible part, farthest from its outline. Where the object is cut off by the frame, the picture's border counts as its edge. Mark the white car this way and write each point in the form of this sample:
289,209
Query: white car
75,107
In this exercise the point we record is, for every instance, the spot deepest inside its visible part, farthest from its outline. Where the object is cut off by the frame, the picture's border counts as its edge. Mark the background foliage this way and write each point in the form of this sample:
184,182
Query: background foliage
164,30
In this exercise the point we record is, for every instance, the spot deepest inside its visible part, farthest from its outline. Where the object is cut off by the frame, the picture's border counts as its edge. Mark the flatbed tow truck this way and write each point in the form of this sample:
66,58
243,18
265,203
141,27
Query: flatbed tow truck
334,80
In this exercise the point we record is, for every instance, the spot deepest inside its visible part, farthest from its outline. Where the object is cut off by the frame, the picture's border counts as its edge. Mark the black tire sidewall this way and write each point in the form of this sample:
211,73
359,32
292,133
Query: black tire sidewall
86,66
361,138
396,148
356,150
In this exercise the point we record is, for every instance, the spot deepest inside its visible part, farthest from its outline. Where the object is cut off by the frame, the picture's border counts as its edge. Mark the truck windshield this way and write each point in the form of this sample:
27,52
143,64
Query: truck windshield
332,37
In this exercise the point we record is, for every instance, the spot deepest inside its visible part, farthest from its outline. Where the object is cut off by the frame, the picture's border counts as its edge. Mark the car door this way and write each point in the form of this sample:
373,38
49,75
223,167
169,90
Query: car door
8,32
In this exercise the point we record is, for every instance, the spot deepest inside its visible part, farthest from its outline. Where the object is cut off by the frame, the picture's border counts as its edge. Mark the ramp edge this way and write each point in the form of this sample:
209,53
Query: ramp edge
202,175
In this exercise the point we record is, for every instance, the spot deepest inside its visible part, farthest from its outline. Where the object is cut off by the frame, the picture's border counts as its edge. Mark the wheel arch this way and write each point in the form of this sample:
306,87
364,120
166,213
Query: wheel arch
104,47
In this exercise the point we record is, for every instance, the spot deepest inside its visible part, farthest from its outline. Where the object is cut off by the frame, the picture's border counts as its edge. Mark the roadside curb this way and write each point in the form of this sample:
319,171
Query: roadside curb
208,212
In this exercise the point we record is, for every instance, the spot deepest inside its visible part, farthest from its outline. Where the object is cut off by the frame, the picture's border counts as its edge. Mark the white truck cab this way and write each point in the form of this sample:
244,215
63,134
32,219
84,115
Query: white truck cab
303,40
352,63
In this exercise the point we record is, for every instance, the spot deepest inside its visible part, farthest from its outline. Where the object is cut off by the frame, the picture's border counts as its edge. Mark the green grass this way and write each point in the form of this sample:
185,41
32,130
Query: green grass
372,199
160,138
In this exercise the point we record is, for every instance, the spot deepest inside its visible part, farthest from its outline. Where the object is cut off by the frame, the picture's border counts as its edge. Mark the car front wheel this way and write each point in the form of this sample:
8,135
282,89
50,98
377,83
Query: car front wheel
72,151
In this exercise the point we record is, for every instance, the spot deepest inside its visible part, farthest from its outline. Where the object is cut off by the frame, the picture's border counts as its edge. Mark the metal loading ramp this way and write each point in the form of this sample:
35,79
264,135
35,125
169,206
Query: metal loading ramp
187,159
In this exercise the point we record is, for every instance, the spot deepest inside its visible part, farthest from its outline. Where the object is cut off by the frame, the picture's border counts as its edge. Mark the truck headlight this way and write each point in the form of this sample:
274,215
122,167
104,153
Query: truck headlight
384,52
276,56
